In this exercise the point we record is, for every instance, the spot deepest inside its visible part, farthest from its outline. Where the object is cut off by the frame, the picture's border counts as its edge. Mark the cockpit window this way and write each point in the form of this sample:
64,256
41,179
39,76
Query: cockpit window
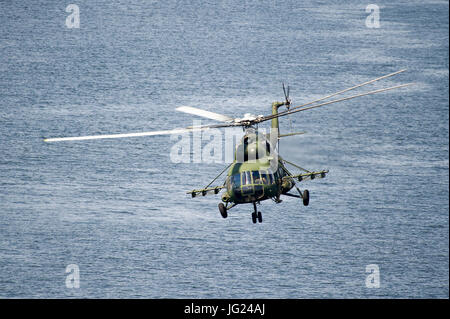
271,176
265,177
252,177
246,178
256,177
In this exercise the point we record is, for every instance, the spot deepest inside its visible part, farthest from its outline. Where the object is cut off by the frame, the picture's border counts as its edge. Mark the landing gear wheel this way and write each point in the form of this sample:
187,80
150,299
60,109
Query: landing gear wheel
306,197
223,210
254,218
259,215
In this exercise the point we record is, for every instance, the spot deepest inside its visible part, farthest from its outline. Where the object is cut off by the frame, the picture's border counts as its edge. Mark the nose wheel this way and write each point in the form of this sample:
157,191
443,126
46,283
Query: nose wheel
256,216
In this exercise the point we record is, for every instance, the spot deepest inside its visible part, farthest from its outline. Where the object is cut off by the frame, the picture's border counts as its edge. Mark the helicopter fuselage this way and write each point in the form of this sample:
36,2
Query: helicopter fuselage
257,172
255,182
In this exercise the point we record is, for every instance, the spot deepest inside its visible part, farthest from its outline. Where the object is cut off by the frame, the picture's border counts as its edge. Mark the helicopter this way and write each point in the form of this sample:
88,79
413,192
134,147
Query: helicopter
258,172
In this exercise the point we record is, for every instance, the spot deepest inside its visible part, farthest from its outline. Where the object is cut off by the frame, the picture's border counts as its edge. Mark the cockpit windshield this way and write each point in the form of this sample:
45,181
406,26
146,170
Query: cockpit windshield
256,177
265,178
252,178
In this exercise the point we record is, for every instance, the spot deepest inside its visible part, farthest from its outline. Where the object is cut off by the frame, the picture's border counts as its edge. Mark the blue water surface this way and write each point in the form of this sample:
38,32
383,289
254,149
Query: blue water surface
118,208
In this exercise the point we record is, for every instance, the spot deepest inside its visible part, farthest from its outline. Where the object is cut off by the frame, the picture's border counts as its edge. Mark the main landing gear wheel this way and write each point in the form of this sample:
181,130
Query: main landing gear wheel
254,218
223,210
259,215
306,197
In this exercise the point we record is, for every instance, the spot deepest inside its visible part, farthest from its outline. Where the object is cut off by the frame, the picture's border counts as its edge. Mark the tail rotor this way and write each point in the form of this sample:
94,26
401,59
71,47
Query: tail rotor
287,103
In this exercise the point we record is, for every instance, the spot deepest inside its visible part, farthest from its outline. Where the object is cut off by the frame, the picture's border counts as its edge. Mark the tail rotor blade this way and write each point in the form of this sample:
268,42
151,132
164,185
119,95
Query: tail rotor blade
286,96
284,91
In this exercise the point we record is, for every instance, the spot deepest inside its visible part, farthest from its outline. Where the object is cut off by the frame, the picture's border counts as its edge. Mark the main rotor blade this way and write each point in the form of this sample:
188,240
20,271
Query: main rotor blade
291,134
230,122
203,113
152,133
349,89
266,118
107,136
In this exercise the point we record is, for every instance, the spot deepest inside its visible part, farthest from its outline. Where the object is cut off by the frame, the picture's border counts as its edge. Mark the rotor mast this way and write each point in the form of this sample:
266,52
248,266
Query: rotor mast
275,123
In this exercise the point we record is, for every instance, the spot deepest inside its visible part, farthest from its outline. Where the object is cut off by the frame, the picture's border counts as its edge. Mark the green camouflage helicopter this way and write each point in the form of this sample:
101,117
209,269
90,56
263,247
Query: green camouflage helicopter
257,173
